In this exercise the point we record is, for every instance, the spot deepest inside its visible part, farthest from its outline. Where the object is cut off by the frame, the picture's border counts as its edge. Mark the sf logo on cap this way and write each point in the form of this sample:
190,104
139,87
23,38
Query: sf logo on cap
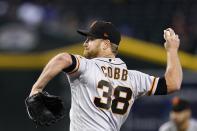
93,23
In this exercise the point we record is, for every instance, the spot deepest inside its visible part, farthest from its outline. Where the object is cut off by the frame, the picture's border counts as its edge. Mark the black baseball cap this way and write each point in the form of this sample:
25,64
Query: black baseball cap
179,104
102,30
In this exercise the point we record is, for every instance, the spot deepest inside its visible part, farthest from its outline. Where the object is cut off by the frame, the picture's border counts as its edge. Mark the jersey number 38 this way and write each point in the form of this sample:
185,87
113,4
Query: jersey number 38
119,104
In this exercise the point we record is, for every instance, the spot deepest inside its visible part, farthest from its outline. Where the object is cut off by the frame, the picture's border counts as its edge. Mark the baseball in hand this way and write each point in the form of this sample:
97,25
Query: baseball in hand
167,33
172,39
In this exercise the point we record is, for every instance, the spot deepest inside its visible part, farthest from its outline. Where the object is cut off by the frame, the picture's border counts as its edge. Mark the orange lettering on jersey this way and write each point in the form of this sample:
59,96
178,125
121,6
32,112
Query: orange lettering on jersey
117,73
124,75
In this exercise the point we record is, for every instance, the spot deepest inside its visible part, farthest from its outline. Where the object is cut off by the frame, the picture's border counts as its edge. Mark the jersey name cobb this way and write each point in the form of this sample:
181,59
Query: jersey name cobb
115,73
115,98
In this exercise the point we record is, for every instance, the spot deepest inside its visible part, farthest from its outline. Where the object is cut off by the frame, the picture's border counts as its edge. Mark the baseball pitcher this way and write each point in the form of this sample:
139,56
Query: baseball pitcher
103,89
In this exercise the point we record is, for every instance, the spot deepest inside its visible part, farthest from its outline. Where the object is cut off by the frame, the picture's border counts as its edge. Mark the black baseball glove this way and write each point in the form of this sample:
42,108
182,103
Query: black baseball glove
44,109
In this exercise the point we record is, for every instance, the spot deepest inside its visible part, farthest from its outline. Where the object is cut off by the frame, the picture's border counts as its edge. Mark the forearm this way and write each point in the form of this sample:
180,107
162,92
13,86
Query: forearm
173,73
49,72
54,67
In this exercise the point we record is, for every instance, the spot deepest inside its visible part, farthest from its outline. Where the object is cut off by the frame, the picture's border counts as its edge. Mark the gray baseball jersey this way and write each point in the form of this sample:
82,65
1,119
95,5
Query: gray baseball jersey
170,126
103,91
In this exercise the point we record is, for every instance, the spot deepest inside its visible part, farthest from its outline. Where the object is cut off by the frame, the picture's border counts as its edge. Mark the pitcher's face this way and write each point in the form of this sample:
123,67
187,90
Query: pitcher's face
92,47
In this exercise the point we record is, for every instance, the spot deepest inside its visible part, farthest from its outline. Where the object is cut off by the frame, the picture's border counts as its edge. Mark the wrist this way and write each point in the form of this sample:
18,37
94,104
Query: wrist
35,91
174,50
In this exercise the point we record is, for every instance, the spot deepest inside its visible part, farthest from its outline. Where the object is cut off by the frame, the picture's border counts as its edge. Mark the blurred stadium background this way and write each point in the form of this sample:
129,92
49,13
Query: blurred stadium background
31,32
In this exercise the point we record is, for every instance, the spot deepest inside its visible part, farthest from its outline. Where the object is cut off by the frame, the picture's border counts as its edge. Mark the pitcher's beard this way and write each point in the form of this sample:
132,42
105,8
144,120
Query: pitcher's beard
90,54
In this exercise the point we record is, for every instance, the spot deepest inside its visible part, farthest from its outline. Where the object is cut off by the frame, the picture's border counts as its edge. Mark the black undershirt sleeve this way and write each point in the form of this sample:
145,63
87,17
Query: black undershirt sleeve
72,66
161,87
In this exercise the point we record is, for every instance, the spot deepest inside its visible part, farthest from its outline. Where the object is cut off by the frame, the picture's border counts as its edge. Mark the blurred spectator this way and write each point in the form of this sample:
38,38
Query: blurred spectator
17,38
30,14
180,117
3,8
62,26
145,20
